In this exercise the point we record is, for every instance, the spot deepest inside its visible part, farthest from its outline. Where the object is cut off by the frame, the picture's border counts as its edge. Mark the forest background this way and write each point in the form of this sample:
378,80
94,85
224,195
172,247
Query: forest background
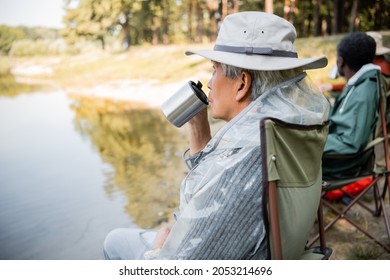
150,32
116,25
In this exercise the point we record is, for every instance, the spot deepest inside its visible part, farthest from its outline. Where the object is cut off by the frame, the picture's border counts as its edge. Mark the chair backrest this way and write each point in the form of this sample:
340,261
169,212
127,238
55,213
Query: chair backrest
379,173
292,165
371,159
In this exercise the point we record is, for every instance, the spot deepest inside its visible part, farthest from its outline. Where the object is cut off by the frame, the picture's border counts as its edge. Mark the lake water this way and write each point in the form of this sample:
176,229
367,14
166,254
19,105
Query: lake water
72,169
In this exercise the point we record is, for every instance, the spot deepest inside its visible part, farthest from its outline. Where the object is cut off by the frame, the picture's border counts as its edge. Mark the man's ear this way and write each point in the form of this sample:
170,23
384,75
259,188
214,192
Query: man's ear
244,86
340,61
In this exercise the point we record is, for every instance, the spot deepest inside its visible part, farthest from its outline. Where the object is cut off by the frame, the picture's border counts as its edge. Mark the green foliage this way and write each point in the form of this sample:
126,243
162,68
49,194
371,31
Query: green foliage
371,16
7,36
42,40
5,66
39,33
95,19
28,47
135,22
10,88
120,24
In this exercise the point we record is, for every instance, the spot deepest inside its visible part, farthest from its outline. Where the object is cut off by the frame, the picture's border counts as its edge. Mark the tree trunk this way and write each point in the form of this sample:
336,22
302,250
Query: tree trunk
199,23
155,30
338,15
289,10
224,9
165,23
269,6
286,9
378,14
316,18
212,7
126,35
103,42
236,5
292,11
354,20
190,12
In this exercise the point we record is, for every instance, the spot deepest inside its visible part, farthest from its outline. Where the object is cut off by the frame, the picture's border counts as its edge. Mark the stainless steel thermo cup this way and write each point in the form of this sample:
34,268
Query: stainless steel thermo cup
185,103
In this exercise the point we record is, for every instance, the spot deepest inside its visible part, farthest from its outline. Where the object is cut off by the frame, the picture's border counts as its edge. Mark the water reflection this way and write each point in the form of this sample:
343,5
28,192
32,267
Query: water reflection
73,169
144,151
9,87
52,201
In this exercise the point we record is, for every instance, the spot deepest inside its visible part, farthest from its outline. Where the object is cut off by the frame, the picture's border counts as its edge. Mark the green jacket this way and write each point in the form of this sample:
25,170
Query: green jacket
352,121
353,116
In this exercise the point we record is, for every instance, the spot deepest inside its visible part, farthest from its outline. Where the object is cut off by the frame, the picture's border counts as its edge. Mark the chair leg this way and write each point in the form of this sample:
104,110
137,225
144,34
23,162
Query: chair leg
321,230
382,203
341,215
379,206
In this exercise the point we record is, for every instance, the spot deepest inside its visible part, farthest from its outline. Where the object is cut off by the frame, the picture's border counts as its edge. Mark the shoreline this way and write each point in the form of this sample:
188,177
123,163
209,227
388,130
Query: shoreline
150,92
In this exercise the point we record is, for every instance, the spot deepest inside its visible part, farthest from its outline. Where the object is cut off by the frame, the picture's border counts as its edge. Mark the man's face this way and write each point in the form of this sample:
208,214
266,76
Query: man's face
222,94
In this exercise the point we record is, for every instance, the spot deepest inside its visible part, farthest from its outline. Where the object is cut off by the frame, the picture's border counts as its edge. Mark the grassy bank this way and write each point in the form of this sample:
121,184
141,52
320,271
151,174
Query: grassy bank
164,64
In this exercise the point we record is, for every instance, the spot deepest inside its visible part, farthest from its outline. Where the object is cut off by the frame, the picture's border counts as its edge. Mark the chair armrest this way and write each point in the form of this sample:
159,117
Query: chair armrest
369,146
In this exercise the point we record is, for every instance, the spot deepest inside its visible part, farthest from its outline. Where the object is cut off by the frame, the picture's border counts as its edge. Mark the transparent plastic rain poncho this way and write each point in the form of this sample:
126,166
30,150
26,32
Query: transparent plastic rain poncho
220,214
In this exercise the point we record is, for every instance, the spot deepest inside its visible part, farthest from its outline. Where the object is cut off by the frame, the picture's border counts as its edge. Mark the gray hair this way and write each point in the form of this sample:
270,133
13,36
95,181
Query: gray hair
261,80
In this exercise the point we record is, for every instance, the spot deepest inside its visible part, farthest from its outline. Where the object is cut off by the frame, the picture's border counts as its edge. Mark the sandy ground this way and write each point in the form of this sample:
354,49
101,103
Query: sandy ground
348,243
149,92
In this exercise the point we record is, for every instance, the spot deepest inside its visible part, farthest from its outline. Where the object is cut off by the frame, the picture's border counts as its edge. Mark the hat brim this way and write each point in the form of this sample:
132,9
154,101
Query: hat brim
381,50
260,62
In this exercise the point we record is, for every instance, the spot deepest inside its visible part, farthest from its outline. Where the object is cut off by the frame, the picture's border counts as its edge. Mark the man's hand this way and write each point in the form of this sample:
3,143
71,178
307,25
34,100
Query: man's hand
199,132
161,236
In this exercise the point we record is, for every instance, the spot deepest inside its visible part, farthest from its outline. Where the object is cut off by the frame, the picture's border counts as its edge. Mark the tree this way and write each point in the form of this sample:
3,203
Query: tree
212,8
199,11
224,8
8,35
92,19
123,13
353,20
97,19
316,18
269,6
167,21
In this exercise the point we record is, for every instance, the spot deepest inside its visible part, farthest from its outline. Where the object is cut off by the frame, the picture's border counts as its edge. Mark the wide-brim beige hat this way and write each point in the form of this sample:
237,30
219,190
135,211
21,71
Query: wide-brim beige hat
380,49
258,41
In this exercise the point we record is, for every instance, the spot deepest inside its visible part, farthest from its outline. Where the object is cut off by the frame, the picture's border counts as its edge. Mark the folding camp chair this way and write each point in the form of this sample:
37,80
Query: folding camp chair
377,167
293,176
